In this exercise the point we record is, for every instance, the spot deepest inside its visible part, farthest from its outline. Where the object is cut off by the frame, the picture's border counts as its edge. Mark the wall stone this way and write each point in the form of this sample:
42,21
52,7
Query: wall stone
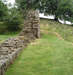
31,25
11,47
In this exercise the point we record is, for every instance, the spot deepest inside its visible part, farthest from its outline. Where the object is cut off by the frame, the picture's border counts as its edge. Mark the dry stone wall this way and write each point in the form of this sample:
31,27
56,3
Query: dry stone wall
31,25
11,47
9,50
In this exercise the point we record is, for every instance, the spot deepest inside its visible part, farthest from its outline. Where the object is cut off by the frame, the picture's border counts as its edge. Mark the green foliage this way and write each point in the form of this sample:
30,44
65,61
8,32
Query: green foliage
11,18
3,27
27,4
3,11
14,17
14,20
65,9
59,8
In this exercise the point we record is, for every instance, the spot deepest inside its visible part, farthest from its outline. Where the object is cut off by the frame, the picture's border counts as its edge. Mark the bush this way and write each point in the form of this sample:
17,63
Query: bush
14,20
13,24
3,28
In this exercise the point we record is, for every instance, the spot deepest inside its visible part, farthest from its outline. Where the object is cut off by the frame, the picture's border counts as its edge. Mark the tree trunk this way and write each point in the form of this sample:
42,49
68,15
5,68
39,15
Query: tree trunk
56,19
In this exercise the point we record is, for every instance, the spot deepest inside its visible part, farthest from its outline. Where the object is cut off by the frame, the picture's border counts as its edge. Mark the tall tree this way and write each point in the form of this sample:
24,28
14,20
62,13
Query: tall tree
65,9
26,5
59,8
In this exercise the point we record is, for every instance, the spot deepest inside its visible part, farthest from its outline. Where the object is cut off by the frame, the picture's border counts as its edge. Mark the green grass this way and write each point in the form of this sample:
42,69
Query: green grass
66,31
48,55
6,36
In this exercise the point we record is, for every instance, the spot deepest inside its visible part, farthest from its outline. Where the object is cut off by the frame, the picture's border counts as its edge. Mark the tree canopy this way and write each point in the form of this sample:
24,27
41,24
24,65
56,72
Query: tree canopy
3,11
59,8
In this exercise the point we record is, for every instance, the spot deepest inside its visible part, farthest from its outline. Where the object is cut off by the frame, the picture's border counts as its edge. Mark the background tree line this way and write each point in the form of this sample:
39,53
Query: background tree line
11,19
59,8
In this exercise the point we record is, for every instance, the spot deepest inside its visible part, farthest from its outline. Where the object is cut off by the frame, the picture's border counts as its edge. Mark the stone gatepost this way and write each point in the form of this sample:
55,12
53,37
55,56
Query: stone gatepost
31,25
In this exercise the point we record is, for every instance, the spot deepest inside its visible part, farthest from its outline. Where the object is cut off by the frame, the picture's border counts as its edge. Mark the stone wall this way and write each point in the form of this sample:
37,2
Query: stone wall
31,25
9,50
11,47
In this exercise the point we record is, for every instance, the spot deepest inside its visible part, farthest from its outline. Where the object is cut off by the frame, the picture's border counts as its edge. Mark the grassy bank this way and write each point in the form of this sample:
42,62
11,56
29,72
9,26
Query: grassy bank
49,55
64,30
6,36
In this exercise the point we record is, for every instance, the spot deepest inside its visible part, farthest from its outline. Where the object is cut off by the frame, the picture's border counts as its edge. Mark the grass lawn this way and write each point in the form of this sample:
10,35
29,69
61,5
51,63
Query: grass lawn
66,31
6,36
48,55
